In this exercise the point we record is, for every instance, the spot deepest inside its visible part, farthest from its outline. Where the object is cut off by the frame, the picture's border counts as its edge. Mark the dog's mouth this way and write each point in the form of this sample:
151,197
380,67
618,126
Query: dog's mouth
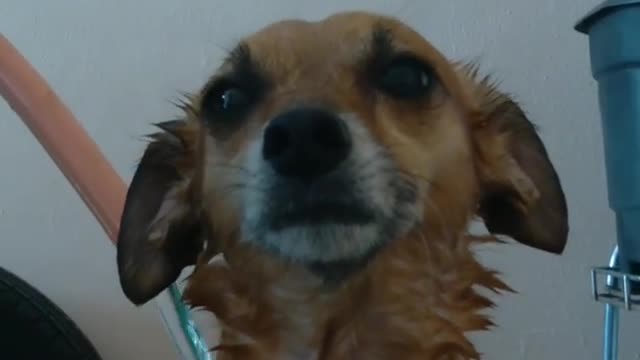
324,212
336,221
333,232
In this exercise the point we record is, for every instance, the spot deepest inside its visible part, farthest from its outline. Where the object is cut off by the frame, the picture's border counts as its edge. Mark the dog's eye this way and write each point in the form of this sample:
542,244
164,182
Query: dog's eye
233,98
226,101
406,78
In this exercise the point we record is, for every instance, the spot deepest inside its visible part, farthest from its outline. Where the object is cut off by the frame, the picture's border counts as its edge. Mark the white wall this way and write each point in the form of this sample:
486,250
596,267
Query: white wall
117,63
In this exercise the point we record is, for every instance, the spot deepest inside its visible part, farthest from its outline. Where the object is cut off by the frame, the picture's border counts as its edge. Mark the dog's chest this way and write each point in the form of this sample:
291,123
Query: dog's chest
297,340
406,313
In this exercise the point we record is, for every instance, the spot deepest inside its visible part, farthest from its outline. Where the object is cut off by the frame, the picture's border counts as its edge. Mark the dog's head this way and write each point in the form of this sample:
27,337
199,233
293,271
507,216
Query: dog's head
321,142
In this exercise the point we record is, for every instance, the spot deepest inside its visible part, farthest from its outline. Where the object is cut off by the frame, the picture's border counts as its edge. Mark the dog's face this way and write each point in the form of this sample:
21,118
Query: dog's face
321,142
326,136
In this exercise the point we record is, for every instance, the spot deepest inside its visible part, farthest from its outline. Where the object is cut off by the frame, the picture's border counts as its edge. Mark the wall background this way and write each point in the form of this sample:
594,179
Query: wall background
118,64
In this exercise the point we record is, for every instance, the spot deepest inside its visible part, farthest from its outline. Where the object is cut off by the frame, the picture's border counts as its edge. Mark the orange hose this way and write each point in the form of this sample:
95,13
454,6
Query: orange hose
62,136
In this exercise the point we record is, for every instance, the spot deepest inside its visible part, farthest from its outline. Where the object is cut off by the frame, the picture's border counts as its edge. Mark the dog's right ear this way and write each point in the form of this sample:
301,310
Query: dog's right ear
160,229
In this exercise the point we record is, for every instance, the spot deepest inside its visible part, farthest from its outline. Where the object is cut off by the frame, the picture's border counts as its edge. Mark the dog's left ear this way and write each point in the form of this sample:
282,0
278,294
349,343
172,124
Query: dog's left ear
521,193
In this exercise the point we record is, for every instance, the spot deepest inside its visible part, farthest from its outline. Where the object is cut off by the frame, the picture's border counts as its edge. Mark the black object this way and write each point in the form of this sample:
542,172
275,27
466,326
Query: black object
33,327
306,143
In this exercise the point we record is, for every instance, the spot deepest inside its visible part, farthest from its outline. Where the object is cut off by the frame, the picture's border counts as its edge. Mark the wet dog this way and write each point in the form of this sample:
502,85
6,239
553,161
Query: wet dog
336,166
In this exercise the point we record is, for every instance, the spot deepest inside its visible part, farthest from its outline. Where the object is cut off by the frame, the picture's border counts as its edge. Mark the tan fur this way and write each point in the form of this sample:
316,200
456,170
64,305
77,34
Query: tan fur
419,296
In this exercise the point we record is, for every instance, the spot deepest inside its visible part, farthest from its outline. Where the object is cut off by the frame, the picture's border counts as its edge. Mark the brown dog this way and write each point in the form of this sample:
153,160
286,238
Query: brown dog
336,165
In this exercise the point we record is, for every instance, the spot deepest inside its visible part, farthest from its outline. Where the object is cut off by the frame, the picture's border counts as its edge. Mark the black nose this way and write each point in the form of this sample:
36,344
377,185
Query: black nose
306,143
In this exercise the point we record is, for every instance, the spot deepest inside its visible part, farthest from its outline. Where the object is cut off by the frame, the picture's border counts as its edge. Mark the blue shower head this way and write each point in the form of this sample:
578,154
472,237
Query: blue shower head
613,29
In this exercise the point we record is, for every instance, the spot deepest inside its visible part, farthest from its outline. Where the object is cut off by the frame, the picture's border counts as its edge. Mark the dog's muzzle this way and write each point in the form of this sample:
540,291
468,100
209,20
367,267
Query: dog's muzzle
323,190
306,147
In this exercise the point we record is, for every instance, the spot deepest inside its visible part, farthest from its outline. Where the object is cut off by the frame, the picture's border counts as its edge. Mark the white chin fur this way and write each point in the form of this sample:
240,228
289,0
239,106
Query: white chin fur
322,243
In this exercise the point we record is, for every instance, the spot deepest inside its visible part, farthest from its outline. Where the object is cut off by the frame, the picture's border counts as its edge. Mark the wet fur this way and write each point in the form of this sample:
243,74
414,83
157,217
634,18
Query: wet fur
415,300
415,297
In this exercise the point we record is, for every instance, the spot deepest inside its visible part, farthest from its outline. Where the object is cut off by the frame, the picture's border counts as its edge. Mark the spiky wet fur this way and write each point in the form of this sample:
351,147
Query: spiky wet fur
420,295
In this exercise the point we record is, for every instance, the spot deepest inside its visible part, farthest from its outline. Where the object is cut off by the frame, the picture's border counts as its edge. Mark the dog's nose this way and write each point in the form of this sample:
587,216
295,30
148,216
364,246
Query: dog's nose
306,143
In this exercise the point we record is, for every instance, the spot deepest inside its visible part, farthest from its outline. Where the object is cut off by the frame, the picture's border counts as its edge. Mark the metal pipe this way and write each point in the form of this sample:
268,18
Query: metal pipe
611,326
611,316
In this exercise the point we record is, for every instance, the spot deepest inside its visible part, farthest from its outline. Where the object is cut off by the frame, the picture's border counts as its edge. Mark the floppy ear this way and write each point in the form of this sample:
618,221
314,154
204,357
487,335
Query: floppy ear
521,193
160,230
